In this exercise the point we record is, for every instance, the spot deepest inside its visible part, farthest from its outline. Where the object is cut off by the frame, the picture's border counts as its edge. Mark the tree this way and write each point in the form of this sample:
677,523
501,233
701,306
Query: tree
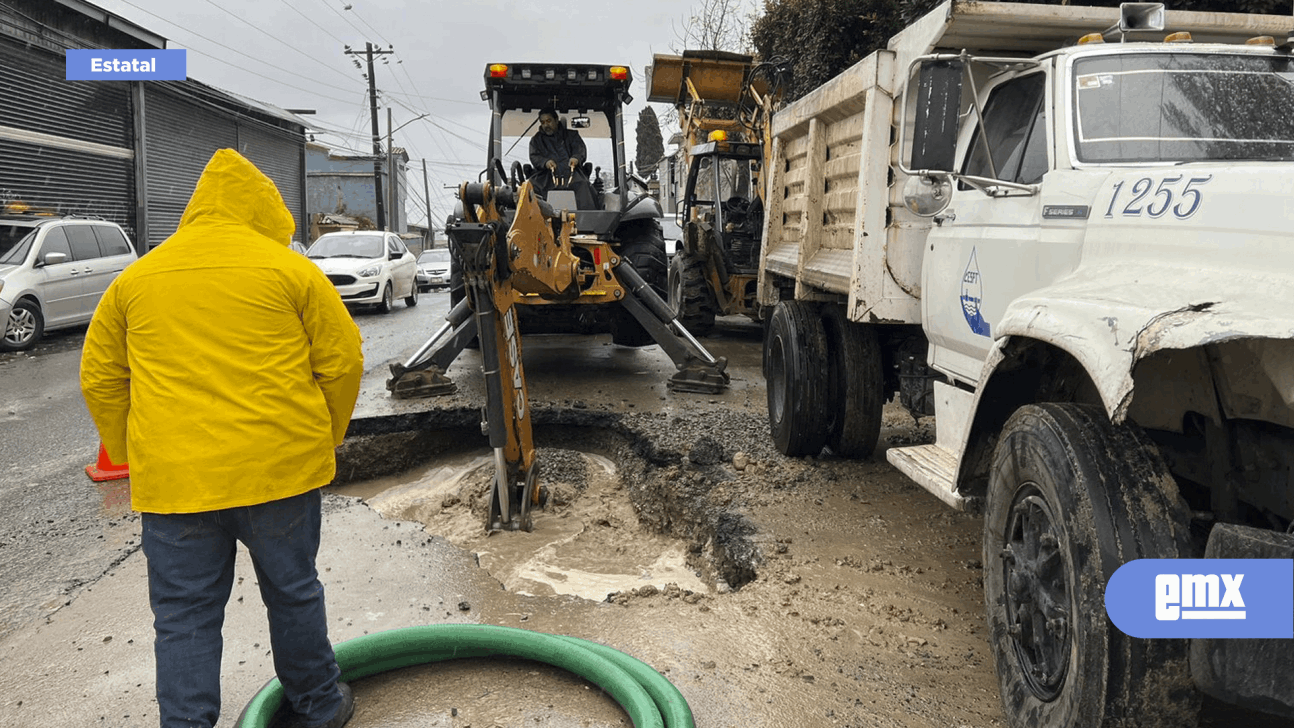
715,25
651,145
823,37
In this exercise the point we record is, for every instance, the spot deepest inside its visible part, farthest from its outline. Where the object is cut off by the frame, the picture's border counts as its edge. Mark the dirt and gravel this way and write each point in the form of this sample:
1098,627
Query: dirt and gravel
772,591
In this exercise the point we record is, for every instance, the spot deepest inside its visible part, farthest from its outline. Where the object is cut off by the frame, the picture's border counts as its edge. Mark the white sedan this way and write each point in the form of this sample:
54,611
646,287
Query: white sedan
368,267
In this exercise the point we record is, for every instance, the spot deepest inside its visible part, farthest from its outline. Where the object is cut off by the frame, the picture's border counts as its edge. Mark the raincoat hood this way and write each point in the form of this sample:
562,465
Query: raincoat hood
232,190
222,366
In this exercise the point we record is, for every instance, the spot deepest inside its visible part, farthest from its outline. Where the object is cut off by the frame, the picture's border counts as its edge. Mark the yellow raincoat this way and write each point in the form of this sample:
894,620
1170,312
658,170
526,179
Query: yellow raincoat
223,366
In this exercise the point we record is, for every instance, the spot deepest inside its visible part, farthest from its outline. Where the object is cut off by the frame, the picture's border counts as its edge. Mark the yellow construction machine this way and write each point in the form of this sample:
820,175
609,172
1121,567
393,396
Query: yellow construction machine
724,102
532,262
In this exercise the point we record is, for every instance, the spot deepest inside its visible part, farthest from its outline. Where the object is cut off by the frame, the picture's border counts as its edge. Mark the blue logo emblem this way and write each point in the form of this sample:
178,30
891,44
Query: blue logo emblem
973,296
1210,598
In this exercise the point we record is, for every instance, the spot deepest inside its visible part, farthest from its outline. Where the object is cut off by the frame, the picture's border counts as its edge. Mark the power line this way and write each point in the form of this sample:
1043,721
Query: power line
249,57
343,17
312,22
441,99
276,39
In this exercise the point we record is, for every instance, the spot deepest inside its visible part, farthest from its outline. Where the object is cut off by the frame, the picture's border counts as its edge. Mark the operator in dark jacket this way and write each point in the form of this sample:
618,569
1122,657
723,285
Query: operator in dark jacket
557,153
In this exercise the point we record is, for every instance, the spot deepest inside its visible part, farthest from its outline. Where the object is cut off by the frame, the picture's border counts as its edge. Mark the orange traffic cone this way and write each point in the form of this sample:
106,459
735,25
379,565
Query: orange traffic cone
105,469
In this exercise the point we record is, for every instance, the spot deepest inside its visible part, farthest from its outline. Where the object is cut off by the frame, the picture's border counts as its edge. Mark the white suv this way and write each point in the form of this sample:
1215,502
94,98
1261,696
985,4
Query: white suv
53,271
368,267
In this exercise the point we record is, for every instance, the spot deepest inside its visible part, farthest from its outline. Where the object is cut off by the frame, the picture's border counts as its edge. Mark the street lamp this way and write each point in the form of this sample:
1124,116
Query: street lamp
390,159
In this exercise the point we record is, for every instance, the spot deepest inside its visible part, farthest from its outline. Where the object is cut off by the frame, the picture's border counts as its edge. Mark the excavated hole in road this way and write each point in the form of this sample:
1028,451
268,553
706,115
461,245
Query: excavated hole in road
615,521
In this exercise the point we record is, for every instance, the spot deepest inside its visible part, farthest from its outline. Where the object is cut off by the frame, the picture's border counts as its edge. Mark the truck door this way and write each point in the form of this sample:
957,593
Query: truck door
983,252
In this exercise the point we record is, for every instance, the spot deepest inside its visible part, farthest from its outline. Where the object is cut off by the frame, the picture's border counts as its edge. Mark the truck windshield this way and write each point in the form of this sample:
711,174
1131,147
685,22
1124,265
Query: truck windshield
731,176
1184,107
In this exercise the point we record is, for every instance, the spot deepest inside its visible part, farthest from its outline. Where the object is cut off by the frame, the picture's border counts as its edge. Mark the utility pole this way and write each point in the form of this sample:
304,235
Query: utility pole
426,195
369,52
390,170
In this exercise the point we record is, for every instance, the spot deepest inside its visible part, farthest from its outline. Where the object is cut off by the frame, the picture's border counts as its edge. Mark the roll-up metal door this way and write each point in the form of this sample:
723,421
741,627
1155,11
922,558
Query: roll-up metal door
183,131
37,98
180,135
278,154
66,145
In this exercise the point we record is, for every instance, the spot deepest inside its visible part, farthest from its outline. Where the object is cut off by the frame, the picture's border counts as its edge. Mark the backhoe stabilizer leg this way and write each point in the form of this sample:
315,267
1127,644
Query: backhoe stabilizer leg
423,374
698,370
410,384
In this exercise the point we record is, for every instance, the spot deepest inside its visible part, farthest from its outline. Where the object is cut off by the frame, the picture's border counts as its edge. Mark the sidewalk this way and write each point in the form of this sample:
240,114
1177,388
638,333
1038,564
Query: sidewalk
91,663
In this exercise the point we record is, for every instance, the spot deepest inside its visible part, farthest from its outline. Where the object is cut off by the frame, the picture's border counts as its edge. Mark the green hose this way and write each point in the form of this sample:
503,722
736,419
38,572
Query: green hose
650,700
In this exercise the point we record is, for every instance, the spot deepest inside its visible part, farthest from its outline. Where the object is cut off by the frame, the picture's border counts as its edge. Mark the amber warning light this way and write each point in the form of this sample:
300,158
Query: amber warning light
498,70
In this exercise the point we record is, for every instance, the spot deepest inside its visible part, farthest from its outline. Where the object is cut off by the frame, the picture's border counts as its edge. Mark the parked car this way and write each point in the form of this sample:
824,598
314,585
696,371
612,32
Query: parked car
433,269
368,267
53,271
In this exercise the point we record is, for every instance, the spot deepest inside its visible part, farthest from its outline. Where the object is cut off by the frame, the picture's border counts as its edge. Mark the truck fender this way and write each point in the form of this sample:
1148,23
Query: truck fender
1066,348
642,208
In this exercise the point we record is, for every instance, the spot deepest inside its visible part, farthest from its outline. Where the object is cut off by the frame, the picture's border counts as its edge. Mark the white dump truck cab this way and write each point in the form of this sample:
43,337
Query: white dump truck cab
1107,298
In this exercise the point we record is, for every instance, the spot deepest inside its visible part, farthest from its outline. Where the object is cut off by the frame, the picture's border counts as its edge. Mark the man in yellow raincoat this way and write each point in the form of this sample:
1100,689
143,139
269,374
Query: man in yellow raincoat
224,368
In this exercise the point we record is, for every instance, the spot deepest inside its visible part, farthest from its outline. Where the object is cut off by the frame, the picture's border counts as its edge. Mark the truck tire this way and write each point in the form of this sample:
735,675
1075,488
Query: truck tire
690,296
795,365
643,245
856,387
1071,497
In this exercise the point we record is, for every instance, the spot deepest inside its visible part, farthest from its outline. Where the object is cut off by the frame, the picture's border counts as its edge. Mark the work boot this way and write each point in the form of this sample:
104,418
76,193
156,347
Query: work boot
339,719
346,710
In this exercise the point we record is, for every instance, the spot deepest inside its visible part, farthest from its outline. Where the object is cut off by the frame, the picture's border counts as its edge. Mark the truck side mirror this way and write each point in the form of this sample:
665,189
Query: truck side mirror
938,108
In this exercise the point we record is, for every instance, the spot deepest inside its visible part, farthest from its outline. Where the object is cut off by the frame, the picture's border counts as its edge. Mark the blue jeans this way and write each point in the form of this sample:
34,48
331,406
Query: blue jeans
190,576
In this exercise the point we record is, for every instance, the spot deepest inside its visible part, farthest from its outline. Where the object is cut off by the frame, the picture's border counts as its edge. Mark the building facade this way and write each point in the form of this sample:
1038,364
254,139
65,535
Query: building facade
127,151
341,184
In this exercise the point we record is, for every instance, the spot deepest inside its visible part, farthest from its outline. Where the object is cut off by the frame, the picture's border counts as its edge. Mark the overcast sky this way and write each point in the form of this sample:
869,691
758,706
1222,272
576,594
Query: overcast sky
290,53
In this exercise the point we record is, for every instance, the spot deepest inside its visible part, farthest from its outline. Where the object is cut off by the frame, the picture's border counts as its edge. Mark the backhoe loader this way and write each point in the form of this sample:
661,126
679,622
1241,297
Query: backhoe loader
724,102
526,261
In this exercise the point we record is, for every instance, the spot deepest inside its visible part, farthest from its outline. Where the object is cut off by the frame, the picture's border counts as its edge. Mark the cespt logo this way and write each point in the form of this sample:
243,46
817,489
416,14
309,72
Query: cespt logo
1209,598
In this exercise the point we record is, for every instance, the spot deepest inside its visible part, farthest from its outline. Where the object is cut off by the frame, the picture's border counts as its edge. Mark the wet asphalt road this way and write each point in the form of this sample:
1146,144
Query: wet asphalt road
62,531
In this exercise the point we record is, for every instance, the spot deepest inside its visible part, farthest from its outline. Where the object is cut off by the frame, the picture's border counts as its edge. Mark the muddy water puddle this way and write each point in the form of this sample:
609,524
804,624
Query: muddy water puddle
586,542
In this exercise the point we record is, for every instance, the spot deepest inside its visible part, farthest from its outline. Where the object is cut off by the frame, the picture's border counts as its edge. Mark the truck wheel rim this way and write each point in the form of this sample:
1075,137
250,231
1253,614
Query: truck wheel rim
1036,579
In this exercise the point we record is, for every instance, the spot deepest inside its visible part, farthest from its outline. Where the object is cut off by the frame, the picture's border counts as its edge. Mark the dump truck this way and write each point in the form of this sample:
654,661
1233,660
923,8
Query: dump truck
537,250
1065,232
723,101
